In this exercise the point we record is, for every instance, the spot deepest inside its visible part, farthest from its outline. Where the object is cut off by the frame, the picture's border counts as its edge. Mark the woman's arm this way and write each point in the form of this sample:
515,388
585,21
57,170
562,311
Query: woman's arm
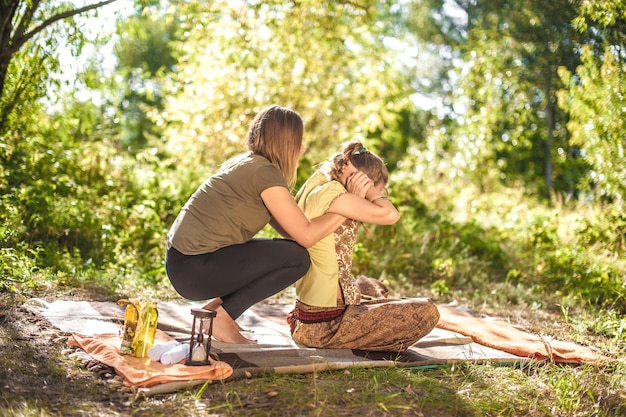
291,220
279,229
364,202
378,210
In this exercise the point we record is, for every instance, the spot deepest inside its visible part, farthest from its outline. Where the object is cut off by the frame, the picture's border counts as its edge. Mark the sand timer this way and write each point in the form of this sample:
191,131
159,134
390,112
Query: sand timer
201,331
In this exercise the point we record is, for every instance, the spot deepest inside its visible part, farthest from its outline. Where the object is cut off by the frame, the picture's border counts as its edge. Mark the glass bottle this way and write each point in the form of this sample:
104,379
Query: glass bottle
146,329
131,317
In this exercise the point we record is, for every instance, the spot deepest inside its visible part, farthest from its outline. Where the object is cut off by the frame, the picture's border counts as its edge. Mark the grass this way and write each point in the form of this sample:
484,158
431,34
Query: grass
465,390
341,393
557,270
40,378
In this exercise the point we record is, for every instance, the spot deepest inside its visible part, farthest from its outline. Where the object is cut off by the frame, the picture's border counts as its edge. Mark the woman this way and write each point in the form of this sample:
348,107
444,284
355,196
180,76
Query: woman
211,251
329,312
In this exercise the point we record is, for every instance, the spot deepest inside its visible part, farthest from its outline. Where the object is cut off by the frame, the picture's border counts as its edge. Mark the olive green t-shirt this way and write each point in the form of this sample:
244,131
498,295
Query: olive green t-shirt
227,209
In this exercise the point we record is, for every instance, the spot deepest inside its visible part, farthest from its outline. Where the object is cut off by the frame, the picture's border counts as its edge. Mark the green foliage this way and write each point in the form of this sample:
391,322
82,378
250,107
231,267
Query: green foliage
87,200
607,232
568,271
73,202
23,87
16,268
79,205
503,113
564,263
427,247
608,322
29,52
330,63
404,128
604,19
146,58
595,100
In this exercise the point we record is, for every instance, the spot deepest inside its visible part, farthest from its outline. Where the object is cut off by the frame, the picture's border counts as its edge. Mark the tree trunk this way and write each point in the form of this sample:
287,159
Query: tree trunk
14,34
7,13
550,134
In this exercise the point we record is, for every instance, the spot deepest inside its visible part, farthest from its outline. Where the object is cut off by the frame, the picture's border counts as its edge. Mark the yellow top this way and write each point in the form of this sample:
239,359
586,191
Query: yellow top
319,286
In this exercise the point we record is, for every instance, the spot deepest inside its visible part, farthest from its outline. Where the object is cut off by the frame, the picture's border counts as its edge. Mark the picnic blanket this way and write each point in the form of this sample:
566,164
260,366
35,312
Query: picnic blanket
142,372
459,337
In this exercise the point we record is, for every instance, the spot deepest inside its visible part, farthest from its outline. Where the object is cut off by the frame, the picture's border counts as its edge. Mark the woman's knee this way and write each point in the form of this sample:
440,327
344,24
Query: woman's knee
297,255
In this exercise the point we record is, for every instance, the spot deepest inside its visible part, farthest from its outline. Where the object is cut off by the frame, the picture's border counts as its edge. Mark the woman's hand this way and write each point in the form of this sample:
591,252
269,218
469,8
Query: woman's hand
359,184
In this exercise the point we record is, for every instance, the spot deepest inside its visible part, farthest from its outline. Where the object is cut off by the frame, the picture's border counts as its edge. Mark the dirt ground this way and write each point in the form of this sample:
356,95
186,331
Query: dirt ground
41,376
39,372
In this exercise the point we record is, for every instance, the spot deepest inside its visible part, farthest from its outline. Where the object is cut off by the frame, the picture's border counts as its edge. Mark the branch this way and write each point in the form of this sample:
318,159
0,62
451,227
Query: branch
8,11
21,40
26,20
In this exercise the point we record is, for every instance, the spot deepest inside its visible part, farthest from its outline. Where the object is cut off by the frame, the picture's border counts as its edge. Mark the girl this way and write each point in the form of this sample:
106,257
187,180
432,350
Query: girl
329,312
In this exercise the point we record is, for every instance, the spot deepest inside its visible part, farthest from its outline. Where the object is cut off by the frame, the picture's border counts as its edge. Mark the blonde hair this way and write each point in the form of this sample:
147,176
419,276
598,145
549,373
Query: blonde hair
276,133
362,159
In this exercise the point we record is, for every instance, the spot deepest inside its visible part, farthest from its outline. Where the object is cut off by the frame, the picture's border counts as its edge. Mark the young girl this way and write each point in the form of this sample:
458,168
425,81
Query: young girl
211,252
329,312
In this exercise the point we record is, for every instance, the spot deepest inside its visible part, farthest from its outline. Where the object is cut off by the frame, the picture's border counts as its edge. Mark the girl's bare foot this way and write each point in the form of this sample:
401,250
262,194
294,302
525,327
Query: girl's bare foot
226,330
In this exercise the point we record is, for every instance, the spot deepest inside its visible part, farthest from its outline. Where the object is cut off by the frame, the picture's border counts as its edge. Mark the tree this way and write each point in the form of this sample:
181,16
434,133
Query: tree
516,63
594,98
508,55
327,60
146,57
20,23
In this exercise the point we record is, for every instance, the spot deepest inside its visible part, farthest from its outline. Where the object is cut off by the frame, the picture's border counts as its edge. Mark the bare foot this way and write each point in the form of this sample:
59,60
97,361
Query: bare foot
214,304
238,327
226,330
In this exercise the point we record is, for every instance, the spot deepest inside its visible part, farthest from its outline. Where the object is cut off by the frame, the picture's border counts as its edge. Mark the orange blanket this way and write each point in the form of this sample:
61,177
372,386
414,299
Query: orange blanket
501,335
140,372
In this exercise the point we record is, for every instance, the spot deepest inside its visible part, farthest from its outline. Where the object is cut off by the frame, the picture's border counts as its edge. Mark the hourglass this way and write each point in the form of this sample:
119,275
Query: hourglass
201,332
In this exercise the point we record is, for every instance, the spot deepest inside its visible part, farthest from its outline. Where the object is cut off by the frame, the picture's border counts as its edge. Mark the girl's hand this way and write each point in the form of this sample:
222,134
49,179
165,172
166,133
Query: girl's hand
359,184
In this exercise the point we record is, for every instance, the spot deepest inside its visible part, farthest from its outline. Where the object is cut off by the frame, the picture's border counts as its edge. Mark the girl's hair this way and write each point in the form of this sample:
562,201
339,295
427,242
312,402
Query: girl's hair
276,133
362,159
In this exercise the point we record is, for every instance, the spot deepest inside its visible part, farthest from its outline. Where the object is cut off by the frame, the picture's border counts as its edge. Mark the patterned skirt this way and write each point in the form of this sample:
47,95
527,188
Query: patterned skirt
390,325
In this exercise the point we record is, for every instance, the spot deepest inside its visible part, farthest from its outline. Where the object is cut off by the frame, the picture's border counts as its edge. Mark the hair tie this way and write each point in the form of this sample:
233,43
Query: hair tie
362,150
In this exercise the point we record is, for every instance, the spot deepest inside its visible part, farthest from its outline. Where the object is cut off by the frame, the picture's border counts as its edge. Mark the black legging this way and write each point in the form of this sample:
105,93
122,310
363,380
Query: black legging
241,275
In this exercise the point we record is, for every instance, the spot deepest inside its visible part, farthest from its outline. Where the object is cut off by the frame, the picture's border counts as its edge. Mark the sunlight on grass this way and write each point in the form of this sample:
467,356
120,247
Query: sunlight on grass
555,268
